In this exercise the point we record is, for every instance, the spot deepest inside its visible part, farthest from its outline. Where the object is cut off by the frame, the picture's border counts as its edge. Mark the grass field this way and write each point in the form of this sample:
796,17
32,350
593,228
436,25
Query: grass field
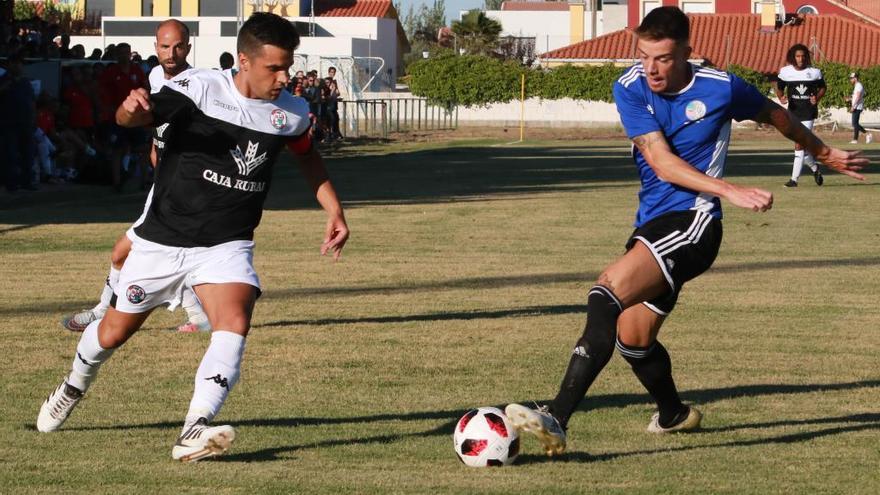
464,284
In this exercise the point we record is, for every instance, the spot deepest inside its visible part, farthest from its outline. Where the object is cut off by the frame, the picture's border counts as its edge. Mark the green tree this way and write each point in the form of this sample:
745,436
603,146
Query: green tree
476,33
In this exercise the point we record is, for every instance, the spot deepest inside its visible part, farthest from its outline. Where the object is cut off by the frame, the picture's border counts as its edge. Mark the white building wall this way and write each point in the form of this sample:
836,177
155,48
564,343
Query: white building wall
552,29
350,37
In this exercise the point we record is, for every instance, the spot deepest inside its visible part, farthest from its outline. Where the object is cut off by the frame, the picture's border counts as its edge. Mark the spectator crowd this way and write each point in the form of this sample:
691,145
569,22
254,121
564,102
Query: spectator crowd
74,137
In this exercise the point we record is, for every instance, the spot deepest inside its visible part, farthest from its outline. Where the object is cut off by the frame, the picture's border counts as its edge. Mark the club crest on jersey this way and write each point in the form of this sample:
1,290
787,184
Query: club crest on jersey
248,161
278,119
135,294
695,110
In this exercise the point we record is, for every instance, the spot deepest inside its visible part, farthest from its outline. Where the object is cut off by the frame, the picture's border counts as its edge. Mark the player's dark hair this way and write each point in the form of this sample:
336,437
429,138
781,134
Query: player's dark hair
789,57
180,25
665,23
265,28
227,61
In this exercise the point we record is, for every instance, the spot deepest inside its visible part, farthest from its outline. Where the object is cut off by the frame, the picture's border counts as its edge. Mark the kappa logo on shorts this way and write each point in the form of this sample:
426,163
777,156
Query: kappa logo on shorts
278,118
135,294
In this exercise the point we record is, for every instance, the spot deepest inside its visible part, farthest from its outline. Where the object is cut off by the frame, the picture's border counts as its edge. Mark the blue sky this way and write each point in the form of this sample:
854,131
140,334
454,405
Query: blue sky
452,6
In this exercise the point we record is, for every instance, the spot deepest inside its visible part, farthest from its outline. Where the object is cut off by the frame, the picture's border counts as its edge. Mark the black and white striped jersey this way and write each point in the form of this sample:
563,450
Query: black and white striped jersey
799,86
220,148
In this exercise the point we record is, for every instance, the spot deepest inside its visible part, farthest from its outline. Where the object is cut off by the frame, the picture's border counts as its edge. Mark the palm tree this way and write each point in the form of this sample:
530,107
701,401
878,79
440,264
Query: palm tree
476,33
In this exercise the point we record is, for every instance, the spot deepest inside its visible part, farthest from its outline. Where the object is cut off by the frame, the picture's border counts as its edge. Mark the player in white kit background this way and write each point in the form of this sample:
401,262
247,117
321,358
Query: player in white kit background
226,133
172,48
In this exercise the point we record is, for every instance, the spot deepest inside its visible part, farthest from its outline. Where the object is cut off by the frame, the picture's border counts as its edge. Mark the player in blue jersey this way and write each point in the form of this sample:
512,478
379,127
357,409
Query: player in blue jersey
678,116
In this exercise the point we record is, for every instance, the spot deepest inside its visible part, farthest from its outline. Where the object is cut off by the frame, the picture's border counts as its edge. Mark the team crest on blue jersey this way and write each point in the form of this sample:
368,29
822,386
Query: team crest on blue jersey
278,119
135,294
695,110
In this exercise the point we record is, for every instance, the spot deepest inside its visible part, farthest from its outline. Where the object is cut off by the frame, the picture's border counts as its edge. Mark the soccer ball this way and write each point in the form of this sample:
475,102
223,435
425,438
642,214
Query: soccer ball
484,437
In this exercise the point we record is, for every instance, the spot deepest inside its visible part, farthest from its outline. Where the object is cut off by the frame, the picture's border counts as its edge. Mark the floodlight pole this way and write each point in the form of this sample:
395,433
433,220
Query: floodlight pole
312,19
522,108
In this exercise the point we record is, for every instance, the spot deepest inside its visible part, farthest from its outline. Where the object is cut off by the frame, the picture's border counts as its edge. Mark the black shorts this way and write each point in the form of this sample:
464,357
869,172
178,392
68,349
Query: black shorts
684,243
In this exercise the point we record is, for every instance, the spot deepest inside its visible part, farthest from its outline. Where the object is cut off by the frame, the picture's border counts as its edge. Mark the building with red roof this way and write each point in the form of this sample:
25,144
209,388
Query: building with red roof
725,39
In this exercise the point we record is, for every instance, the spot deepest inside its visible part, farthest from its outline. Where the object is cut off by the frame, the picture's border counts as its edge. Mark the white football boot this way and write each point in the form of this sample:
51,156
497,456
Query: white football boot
201,441
57,407
540,423
78,322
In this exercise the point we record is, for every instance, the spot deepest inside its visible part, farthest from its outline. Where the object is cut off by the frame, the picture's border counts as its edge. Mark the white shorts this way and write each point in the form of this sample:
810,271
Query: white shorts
808,124
130,232
155,274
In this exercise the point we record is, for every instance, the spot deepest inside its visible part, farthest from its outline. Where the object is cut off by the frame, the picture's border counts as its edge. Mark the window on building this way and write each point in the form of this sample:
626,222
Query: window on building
649,5
756,7
697,7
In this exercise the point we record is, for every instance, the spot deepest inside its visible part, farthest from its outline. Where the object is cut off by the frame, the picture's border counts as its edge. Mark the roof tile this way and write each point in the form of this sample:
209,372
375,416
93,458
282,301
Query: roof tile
353,8
724,39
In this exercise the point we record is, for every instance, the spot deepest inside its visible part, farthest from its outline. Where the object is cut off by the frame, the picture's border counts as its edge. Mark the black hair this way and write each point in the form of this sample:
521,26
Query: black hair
265,28
789,57
227,61
665,23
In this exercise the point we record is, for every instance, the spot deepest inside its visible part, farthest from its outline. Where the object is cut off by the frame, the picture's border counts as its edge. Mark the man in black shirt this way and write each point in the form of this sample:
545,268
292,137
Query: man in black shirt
225,135
801,86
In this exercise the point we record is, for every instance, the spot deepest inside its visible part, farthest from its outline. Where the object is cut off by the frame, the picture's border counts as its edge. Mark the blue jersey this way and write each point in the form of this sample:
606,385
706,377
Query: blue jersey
696,124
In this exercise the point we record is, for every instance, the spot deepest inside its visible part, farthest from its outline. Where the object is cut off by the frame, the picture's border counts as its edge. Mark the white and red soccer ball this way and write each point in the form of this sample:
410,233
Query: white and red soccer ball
484,437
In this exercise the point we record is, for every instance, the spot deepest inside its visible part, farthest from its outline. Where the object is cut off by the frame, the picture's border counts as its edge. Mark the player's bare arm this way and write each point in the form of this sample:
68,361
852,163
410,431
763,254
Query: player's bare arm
671,168
336,233
819,95
135,111
845,162
780,95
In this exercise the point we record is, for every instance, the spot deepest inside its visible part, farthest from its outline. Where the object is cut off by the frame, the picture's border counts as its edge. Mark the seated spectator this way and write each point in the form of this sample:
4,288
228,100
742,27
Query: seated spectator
96,54
45,139
78,52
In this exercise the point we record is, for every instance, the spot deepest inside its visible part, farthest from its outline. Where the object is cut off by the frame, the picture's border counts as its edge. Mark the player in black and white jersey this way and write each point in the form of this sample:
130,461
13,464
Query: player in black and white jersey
172,48
801,86
226,133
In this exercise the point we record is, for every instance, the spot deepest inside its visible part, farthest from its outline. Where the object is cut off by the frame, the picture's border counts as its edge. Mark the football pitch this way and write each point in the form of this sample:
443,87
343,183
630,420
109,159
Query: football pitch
464,284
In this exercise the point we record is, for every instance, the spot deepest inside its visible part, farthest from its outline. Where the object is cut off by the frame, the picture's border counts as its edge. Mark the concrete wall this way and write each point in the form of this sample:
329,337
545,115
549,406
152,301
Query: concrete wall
574,113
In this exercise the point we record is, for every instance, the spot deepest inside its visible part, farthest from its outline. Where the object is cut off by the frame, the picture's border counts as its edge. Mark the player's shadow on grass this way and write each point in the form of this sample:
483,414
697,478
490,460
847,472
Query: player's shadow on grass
478,173
859,422
845,424
562,309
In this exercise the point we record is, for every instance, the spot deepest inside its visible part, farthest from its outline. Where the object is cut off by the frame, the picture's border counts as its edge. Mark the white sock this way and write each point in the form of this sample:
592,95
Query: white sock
810,162
798,164
195,314
89,358
107,293
216,375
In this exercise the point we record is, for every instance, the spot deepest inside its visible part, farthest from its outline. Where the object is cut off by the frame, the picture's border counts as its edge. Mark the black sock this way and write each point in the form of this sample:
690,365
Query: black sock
591,353
653,368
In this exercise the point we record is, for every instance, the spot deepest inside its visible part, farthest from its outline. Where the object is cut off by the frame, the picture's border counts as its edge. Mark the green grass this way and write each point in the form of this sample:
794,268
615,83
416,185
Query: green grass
463,285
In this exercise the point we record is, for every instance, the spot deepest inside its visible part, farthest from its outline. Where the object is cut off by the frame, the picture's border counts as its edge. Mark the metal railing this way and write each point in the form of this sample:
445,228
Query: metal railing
379,116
